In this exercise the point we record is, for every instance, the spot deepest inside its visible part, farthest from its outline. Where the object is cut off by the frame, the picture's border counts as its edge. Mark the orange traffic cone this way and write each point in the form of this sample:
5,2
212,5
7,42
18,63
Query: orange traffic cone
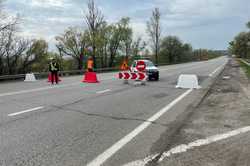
90,77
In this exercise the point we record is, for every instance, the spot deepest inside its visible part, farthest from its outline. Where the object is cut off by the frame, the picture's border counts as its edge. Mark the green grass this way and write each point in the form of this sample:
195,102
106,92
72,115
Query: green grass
246,68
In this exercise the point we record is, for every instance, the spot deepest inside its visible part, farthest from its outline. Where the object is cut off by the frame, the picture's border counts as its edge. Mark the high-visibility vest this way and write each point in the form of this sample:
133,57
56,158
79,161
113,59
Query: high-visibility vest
90,64
53,66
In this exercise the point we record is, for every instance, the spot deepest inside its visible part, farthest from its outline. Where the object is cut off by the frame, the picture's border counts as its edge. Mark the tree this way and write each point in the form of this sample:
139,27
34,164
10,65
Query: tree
12,50
187,52
154,31
248,25
240,46
102,45
116,36
94,19
138,46
6,22
73,43
171,48
36,55
127,35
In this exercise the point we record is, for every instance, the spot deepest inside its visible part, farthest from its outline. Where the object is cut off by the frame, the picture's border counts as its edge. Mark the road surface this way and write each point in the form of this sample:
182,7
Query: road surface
75,124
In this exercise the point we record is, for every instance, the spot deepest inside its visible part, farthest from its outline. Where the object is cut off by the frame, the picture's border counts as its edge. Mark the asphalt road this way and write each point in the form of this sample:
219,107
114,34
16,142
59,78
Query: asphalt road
72,124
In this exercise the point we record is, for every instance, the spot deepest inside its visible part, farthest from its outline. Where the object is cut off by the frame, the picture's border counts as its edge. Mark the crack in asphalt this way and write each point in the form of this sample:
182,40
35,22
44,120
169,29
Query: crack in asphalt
109,116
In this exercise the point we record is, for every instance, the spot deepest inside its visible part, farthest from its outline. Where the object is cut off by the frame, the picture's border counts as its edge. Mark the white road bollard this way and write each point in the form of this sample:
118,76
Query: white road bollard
30,77
188,81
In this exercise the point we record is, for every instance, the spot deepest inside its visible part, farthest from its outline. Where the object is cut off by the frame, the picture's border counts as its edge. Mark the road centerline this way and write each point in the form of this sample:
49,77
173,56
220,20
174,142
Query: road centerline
99,160
25,111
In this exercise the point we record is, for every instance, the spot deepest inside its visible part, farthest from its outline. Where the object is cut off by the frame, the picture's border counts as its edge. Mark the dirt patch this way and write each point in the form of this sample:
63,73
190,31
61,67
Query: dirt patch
225,108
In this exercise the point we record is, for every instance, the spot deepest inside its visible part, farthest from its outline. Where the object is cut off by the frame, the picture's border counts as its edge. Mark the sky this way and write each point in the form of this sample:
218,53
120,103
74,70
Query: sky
209,24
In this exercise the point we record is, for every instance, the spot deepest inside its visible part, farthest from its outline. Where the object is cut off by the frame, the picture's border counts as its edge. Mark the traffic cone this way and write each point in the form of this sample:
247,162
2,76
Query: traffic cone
50,78
90,77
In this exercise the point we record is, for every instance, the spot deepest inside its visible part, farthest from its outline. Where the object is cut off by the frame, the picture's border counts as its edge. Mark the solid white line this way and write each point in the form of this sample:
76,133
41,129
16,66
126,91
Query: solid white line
183,148
26,111
118,145
202,142
104,91
215,71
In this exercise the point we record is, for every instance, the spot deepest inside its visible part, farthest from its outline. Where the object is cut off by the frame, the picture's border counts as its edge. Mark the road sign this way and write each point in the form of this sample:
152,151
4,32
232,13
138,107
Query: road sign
133,76
141,66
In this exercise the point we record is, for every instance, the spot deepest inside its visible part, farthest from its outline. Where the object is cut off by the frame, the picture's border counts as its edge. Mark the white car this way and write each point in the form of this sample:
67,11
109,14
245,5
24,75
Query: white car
151,70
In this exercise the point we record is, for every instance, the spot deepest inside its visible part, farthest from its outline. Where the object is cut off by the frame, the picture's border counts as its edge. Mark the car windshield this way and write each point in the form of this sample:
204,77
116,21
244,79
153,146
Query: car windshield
149,64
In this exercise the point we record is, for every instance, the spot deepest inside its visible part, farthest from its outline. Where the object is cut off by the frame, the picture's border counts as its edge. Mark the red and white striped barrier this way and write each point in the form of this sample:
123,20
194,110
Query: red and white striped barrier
126,75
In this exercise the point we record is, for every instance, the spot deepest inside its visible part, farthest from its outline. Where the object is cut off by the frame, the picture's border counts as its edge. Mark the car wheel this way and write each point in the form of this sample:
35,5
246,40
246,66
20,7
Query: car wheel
157,78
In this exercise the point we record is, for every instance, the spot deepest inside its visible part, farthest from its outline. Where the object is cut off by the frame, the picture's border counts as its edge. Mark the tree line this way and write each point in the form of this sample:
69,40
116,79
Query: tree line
240,46
108,44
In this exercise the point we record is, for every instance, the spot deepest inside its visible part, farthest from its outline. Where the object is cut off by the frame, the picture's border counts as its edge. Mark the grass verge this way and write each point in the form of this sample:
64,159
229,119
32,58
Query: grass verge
245,67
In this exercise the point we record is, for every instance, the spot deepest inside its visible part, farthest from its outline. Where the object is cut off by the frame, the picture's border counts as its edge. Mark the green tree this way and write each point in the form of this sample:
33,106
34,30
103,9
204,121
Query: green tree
73,43
171,49
127,37
248,25
36,55
240,46
116,36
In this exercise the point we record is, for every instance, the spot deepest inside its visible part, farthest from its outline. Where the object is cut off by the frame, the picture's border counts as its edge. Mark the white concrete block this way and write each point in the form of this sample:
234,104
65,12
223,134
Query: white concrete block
188,81
30,77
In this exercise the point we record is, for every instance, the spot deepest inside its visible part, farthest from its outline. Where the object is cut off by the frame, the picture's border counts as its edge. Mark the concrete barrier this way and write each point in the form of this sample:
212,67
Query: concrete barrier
187,81
30,77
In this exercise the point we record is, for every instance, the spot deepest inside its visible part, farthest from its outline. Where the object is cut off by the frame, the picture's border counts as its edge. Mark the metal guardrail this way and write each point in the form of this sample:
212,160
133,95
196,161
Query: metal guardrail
61,73
246,61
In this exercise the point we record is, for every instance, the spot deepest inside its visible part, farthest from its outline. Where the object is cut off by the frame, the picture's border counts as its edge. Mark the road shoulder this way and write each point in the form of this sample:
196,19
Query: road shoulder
225,108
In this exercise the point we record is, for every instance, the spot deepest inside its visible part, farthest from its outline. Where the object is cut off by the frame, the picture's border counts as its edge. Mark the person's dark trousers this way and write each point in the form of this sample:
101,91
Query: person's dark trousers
54,77
90,70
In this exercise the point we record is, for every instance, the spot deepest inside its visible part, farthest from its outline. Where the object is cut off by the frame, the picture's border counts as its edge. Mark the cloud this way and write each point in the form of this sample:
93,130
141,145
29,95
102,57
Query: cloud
49,3
203,23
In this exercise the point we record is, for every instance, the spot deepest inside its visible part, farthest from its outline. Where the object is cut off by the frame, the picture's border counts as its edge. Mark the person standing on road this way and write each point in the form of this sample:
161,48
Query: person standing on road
54,69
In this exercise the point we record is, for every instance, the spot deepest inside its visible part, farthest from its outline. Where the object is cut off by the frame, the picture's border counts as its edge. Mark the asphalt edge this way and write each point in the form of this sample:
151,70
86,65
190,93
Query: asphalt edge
189,111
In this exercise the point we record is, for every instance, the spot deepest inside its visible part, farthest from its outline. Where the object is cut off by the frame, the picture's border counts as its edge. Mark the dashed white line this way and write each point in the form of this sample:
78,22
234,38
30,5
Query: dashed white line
26,111
44,88
122,142
104,91
37,89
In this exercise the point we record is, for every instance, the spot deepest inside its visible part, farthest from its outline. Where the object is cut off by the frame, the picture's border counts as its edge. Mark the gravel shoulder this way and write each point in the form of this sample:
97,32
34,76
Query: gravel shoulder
225,108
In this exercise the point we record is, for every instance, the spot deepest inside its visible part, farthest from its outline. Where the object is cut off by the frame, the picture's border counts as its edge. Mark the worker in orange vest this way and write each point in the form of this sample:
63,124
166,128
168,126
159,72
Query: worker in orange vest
90,64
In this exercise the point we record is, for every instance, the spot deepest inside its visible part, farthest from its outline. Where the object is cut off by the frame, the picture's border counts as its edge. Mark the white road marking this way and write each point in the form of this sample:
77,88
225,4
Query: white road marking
36,90
45,88
122,142
183,148
104,91
215,71
26,111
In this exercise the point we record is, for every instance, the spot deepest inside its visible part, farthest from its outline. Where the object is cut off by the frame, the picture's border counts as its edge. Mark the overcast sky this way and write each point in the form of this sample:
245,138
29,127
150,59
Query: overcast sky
203,23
